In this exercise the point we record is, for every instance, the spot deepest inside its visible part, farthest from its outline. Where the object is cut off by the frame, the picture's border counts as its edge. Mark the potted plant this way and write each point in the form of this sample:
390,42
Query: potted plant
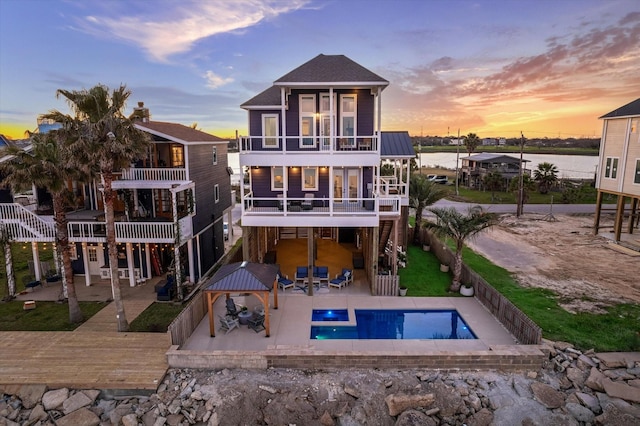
426,246
403,290
444,267
466,290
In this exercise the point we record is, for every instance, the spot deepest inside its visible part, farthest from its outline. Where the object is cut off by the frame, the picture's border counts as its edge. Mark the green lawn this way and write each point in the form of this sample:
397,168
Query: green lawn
617,330
587,195
511,149
156,318
47,316
21,254
422,275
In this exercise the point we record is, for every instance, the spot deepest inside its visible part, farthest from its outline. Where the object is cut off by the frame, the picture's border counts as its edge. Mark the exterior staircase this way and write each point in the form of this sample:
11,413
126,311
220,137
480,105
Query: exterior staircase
25,226
385,232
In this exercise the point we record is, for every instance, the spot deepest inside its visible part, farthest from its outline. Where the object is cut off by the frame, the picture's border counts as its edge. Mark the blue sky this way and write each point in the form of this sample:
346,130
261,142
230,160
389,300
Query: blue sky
544,67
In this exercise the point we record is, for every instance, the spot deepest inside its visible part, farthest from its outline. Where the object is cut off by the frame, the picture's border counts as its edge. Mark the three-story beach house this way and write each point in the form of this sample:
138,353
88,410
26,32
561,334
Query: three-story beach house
319,166
619,166
169,210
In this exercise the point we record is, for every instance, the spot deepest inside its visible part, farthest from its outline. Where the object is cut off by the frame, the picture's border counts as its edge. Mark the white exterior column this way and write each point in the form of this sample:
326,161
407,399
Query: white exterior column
130,265
192,273
36,261
85,262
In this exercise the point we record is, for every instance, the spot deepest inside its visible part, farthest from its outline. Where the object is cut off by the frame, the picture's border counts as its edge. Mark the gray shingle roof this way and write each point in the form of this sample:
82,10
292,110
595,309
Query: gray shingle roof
396,145
243,277
630,109
267,98
331,69
177,132
487,156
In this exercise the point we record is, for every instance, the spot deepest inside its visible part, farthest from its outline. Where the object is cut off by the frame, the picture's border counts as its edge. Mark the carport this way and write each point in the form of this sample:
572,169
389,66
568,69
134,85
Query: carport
243,277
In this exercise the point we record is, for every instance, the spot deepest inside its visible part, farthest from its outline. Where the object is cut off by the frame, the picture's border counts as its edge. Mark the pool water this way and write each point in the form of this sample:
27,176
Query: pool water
330,315
399,325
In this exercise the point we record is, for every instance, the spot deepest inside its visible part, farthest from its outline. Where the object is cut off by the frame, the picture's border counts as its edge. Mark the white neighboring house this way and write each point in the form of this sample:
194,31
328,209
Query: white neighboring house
619,167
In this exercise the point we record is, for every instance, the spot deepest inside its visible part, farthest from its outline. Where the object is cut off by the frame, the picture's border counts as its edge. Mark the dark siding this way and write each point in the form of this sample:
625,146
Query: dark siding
206,176
255,127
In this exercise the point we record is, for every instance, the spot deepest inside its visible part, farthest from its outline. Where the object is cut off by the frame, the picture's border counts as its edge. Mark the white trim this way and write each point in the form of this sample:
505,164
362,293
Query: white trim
264,128
636,173
608,174
214,154
216,193
349,84
273,178
305,117
352,114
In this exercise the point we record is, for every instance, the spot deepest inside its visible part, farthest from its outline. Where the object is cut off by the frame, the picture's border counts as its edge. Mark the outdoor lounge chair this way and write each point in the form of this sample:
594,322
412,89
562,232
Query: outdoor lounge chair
301,273
232,309
284,282
30,282
347,274
228,323
257,323
321,273
307,204
338,282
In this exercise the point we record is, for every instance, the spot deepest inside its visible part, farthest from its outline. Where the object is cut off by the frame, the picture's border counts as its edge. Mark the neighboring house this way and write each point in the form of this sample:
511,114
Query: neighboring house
314,153
476,167
170,206
619,165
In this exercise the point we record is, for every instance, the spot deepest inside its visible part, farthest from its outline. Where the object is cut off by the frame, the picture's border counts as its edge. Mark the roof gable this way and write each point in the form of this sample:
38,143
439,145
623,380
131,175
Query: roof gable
490,157
243,277
176,132
331,69
628,110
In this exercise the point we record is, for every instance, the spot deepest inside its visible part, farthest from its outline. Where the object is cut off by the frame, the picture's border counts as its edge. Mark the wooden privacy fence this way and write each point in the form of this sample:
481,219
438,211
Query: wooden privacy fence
386,285
512,318
183,325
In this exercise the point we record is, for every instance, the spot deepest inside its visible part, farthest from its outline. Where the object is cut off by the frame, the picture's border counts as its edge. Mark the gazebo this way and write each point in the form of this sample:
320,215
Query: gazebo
243,277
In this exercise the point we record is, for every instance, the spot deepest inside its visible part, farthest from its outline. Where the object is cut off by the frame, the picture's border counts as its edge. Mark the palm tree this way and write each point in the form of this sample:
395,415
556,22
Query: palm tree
48,165
107,141
423,193
493,181
471,141
546,175
460,228
10,284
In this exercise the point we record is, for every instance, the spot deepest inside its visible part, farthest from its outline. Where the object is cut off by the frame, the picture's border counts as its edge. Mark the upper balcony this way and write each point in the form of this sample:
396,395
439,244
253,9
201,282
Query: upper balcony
305,144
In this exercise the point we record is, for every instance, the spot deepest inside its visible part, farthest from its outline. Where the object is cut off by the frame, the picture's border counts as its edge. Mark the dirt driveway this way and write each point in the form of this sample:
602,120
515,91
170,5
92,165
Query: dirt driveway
564,256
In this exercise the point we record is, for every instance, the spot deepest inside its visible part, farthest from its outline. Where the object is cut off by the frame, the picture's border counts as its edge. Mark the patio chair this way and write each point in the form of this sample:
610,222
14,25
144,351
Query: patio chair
347,274
257,323
284,282
338,282
232,309
321,273
302,274
228,323
307,204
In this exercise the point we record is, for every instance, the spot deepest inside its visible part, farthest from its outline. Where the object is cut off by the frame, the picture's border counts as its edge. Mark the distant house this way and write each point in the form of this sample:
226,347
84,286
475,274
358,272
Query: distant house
489,142
619,165
476,167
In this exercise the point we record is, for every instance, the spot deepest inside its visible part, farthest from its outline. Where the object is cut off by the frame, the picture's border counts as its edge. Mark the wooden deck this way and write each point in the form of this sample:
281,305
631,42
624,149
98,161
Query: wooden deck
95,355
84,360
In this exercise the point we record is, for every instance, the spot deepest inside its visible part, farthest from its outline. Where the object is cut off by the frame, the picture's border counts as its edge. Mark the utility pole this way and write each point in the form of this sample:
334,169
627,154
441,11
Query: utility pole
521,181
457,157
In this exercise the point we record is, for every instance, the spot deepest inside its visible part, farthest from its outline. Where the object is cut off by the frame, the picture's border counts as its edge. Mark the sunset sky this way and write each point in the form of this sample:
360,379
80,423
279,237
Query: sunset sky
547,68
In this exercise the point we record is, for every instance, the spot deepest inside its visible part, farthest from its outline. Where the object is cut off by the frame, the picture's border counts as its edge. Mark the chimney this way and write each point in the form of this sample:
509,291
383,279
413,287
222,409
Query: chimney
140,113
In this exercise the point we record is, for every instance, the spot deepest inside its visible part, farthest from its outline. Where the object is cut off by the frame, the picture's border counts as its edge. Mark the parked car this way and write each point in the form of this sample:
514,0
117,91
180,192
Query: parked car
225,230
441,179
25,198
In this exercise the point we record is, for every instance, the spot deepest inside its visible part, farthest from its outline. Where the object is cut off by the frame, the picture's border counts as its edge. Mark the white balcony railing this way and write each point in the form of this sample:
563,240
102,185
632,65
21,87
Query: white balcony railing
157,174
332,207
306,144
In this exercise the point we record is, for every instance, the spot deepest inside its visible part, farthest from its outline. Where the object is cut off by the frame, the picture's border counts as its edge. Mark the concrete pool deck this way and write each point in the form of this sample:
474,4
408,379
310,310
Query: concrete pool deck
290,344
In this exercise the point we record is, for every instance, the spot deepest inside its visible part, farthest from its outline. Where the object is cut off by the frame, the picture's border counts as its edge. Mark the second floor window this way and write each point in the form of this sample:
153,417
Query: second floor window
611,168
307,121
277,178
215,155
216,192
636,177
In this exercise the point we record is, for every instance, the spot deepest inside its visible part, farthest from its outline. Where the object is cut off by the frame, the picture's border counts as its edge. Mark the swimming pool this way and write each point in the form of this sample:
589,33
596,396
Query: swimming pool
400,325
329,315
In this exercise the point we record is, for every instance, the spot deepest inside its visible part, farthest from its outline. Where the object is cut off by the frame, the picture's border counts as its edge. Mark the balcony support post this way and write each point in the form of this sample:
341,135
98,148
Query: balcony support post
85,263
130,265
36,261
192,273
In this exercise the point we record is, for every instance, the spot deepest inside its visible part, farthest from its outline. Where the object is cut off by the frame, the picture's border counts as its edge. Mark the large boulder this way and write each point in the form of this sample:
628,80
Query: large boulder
547,395
397,403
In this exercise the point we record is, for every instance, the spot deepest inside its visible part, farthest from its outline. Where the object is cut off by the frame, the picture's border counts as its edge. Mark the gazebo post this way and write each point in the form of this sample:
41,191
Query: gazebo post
212,328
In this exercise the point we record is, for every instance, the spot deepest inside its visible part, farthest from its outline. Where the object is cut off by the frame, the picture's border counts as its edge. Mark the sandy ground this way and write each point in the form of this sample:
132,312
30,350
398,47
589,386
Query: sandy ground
564,256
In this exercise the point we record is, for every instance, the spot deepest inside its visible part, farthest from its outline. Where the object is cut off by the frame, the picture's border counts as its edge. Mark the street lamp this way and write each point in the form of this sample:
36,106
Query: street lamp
521,181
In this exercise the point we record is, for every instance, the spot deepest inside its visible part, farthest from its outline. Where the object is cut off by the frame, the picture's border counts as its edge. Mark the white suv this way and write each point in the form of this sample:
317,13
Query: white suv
441,179
225,230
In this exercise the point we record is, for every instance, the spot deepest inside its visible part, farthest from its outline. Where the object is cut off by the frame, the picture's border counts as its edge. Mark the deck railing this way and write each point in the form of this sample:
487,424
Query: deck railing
154,174
320,206
306,144
23,225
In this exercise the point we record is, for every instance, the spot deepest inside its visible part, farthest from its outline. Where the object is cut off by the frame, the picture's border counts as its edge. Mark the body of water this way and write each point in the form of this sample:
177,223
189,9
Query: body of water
569,166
